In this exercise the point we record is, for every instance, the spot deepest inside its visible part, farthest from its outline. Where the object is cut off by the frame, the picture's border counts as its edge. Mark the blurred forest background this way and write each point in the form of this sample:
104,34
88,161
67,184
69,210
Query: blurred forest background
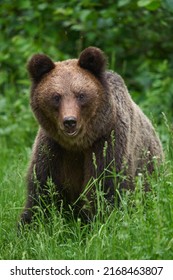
136,35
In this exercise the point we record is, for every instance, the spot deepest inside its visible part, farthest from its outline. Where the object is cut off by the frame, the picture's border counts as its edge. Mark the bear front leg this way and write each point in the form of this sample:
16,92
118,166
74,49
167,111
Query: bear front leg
98,177
34,193
39,173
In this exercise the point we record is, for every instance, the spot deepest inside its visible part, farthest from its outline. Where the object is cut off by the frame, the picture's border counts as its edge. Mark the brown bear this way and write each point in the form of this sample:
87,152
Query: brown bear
89,127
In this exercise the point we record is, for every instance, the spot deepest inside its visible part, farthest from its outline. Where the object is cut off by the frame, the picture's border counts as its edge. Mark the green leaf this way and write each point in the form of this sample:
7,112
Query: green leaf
84,14
24,4
122,3
42,6
151,5
144,3
64,12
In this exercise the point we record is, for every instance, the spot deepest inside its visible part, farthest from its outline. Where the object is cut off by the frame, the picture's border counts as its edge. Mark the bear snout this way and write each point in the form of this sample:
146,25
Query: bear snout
70,122
70,125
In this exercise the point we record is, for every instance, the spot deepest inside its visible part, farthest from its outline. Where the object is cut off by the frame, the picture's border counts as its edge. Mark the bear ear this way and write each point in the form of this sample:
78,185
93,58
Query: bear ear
39,65
94,60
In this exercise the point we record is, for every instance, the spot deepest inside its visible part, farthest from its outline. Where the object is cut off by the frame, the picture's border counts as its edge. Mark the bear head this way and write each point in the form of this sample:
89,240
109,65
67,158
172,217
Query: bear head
70,99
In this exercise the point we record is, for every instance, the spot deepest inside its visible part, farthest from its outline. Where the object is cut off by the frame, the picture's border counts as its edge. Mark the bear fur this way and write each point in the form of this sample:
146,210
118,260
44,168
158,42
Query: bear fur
85,114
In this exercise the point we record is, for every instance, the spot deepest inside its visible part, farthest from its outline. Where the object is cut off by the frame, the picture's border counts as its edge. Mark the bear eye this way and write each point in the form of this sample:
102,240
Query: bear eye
81,96
56,98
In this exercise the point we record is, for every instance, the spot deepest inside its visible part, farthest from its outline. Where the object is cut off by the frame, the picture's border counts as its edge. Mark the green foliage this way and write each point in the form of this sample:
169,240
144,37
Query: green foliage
17,127
156,79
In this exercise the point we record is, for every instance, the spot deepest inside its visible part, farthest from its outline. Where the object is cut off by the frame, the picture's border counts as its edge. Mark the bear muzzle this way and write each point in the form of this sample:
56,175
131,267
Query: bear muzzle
70,126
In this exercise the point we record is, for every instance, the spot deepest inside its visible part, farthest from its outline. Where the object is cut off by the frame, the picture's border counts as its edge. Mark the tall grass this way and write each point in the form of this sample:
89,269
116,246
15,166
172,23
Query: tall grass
140,228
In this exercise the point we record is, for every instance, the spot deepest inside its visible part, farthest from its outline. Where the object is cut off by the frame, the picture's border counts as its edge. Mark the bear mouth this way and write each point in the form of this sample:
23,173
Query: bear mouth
70,133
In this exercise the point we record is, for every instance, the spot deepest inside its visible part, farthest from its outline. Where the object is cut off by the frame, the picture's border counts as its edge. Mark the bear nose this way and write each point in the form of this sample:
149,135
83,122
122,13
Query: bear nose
70,122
